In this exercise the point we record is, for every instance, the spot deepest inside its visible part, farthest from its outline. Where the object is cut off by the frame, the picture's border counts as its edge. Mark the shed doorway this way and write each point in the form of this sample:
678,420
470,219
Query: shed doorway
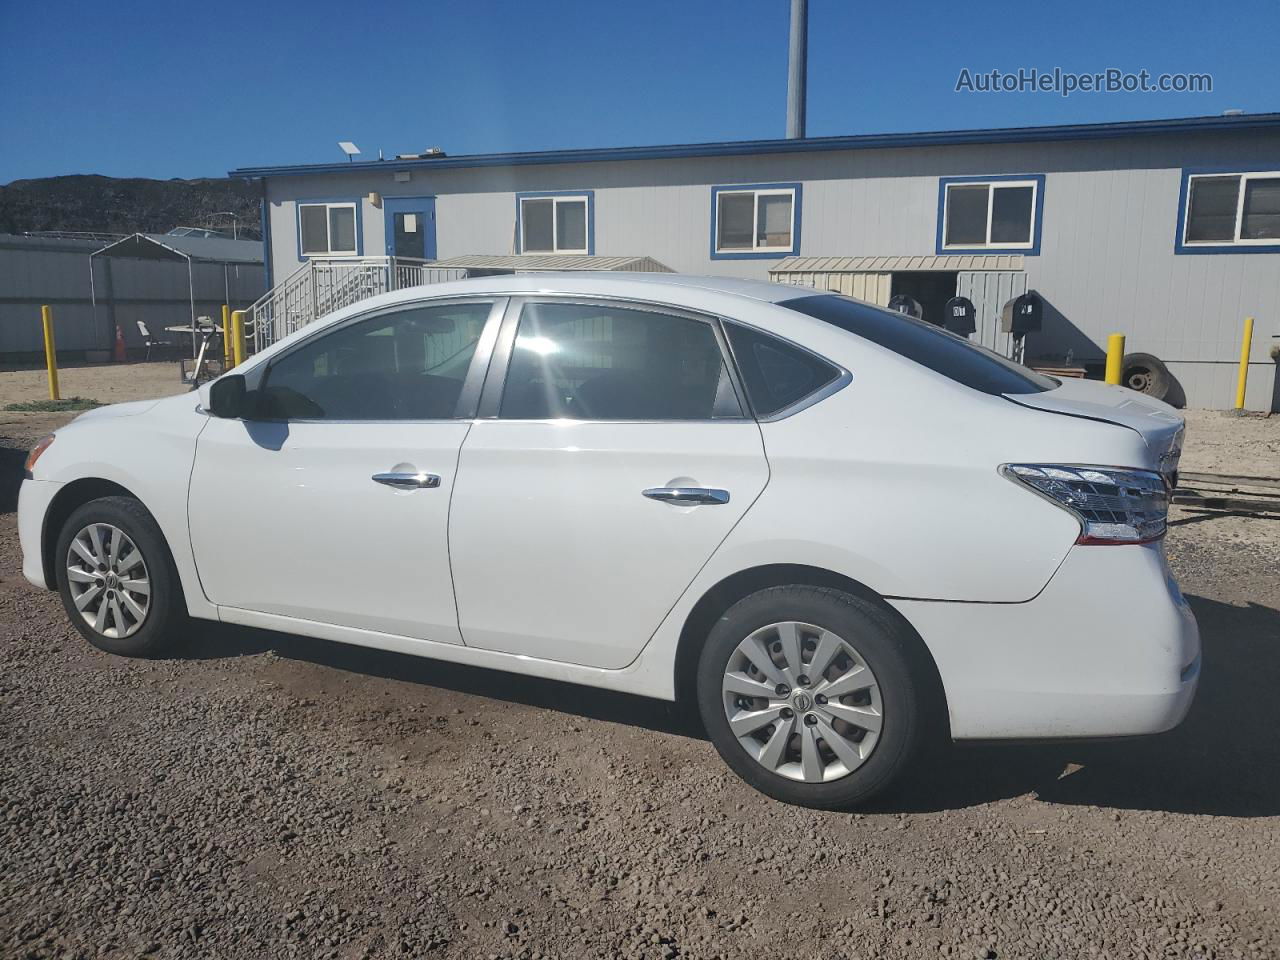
931,288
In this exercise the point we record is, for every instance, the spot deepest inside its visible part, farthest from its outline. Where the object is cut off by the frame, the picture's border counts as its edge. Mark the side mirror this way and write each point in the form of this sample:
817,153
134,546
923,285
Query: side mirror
227,397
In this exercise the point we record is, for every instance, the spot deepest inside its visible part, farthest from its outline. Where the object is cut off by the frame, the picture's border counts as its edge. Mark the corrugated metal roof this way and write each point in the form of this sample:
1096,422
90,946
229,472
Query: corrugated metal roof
866,141
532,262
954,261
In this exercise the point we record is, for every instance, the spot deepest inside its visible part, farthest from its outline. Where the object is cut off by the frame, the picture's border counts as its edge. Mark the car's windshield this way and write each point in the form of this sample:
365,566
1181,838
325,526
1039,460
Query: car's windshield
930,346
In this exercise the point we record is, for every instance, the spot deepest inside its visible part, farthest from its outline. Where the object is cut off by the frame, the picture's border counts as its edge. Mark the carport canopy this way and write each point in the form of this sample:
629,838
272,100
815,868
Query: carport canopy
139,246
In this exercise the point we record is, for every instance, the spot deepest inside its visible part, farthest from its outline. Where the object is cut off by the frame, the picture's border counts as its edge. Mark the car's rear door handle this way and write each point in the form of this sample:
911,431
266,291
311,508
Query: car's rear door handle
407,481
687,496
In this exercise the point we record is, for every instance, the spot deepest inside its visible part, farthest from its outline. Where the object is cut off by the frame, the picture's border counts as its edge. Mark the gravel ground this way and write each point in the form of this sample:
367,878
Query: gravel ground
258,795
108,383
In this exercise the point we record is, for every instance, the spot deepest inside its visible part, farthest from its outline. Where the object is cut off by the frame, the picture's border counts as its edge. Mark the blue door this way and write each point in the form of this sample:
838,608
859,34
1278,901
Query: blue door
411,226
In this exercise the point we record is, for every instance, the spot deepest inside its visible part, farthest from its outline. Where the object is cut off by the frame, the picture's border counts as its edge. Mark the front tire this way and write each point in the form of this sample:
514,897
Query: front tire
810,696
117,579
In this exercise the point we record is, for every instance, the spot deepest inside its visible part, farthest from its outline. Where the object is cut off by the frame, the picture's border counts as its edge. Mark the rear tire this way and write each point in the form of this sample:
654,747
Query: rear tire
829,752
117,579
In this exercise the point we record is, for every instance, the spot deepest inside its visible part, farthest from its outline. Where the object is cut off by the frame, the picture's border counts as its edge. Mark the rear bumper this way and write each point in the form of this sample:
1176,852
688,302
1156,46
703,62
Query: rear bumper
34,497
1109,648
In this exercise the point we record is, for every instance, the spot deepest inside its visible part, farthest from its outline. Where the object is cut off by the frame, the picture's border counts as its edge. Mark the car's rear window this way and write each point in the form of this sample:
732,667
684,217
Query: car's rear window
927,345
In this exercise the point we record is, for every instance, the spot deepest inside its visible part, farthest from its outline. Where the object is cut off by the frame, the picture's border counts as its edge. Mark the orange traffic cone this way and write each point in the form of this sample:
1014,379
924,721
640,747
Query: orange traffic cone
118,354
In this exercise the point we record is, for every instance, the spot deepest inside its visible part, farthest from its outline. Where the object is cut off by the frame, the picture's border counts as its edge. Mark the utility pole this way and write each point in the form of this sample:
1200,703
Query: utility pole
797,69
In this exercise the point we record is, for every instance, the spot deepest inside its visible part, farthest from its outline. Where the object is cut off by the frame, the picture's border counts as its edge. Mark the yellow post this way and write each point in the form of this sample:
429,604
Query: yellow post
226,337
1243,377
50,351
237,337
1115,357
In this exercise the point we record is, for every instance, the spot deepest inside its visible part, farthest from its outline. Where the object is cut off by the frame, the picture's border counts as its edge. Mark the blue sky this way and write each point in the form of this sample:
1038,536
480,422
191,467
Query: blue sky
143,88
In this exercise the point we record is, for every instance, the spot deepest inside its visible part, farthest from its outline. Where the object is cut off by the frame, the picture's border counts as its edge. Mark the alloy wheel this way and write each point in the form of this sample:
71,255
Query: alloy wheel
109,581
802,702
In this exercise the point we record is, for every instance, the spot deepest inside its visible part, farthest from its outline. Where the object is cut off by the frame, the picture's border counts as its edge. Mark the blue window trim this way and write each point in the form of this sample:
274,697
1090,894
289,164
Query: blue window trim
1184,194
297,224
796,208
428,200
1038,214
546,194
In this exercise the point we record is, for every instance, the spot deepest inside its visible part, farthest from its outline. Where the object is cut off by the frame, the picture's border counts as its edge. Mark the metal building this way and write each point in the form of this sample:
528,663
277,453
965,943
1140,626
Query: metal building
97,284
1165,230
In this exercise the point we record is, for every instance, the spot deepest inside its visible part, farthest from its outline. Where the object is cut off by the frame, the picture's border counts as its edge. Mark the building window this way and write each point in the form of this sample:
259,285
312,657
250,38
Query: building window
1230,210
328,229
555,222
755,220
996,213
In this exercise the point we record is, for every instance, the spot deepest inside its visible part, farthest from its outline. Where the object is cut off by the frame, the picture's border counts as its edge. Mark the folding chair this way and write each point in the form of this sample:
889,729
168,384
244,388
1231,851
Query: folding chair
148,341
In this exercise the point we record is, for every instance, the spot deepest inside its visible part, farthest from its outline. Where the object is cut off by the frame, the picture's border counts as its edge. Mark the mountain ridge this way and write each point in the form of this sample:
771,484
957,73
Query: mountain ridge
102,204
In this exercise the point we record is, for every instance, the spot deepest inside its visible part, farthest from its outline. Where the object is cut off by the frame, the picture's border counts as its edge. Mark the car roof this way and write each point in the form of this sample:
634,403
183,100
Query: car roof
711,294
577,281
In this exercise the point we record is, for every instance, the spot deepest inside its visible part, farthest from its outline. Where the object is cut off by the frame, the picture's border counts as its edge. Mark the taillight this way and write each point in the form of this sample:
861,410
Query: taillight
34,455
1113,505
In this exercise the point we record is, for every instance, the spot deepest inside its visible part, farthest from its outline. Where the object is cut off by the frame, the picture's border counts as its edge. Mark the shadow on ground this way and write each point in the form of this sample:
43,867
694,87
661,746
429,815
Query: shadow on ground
1223,760
12,460
1225,757
213,641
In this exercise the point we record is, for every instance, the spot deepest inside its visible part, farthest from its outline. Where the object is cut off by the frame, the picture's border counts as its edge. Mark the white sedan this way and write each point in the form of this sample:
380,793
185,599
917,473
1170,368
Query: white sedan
838,531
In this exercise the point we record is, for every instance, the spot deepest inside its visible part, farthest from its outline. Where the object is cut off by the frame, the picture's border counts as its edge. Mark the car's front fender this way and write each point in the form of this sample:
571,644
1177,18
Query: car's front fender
148,450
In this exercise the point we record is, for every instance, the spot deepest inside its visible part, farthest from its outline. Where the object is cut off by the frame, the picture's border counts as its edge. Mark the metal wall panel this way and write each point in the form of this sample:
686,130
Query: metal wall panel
35,271
990,291
871,287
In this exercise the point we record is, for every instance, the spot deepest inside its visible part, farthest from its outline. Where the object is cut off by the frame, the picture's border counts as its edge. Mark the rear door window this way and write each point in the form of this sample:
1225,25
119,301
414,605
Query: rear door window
776,374
930,346
580,361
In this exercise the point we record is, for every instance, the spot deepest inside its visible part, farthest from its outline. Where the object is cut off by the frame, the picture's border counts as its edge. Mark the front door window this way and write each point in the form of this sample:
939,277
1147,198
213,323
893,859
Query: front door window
409,364
409,235
410,228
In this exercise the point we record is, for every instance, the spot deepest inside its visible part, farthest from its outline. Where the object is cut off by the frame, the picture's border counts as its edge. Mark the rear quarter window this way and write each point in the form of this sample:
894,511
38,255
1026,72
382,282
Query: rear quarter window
776,374
942,352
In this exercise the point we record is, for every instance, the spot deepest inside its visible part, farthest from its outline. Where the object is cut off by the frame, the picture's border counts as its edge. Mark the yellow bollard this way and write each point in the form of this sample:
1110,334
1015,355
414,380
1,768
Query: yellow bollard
1115,358
50,351
1243,377
237,337
226,337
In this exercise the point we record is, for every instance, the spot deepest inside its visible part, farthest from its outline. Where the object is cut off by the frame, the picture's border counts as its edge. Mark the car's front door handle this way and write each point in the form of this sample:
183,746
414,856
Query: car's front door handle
407,481
687,496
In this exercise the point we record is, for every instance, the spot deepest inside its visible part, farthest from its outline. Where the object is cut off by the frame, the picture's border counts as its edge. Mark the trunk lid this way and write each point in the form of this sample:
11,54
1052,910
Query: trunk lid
1159,424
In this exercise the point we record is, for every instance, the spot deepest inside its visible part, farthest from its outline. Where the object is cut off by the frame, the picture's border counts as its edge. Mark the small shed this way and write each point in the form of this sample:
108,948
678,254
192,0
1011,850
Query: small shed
989,280
871,278
485,265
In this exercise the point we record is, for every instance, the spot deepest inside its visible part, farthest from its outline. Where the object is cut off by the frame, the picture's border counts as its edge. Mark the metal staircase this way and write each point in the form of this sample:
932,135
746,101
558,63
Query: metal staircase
321,286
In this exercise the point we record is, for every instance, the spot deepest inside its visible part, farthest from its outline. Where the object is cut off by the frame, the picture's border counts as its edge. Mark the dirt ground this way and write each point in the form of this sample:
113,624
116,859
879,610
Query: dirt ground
106,383
257,795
